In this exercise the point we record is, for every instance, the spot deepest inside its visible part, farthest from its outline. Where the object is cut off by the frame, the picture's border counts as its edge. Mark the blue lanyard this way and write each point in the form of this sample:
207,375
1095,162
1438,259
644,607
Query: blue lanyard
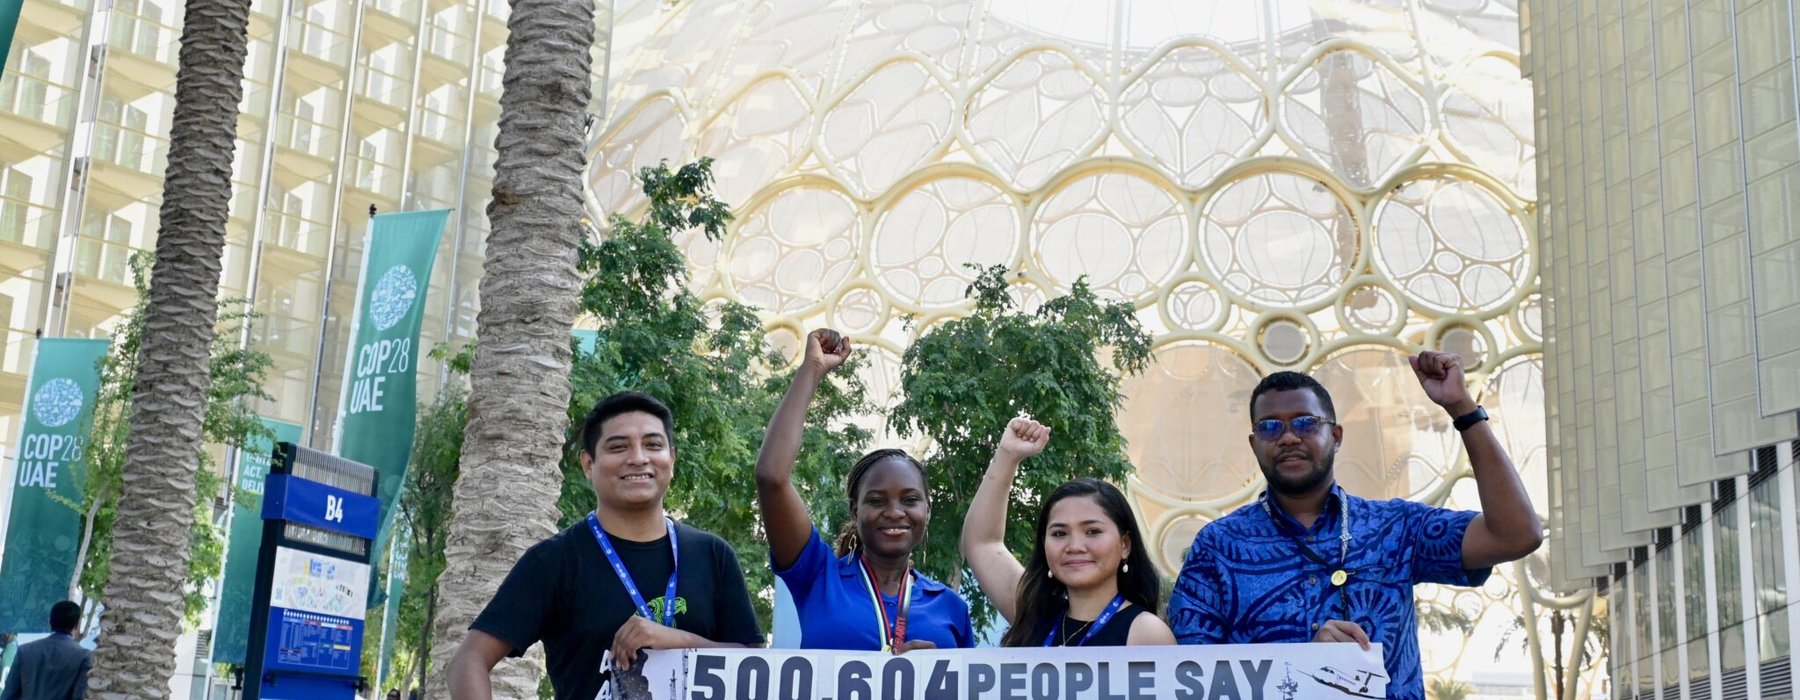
612,557
1106,616
1340,574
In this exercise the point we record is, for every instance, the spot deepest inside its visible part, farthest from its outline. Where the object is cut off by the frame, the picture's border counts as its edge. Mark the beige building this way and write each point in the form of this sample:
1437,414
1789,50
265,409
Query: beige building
347,105
1670,157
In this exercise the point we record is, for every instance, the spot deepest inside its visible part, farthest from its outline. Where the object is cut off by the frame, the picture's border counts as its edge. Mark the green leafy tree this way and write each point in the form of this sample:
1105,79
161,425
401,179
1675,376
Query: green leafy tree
425,508
962,381
236,380
709,362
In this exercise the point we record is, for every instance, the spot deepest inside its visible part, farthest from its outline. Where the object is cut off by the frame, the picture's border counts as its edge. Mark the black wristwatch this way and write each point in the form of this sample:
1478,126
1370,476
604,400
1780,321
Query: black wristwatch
1468,420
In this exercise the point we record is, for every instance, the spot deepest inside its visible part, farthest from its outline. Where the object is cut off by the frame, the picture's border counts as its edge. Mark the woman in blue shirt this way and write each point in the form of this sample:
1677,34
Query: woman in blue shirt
865,595
1089,581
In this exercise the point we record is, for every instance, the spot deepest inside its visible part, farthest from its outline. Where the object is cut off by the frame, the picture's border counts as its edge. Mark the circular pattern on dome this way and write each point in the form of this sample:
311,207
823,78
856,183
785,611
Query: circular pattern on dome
57,402
1185,423
1514,397
1372,309
1122,232
650,134
393,297
928,235
1177,539
928,134
1193,306
1487,114
859,310
1466,342
1451,244
1284,341
1279,238
1403,442
1192,113
1035,117
756,137
794,250
1388,127
1531,317
887,127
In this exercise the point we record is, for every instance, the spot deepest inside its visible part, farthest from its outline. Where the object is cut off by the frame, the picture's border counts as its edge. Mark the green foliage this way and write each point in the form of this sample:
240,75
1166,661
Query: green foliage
709,362
1447,689
425,508
962,381
1439,618
236,379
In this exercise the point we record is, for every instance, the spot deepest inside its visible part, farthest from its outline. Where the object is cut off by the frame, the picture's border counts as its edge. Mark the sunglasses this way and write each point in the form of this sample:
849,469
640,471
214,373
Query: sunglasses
1270,430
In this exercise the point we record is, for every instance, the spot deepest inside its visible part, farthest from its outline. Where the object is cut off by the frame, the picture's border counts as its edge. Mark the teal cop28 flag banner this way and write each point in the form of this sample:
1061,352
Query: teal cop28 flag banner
380,400
44,528
232,634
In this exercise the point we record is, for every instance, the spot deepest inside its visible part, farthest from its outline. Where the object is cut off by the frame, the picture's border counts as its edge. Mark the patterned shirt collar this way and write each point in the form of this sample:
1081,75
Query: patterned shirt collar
1328,511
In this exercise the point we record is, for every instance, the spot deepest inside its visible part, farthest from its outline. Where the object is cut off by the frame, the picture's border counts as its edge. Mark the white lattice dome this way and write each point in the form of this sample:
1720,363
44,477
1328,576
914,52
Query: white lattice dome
1324,186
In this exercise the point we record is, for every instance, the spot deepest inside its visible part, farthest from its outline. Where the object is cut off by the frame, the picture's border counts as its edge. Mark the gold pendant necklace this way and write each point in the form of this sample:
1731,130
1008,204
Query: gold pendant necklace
1078,630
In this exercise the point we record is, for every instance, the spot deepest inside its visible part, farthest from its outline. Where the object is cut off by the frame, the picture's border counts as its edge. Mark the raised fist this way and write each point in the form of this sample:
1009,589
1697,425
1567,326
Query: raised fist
1441,376
826,349
1023,438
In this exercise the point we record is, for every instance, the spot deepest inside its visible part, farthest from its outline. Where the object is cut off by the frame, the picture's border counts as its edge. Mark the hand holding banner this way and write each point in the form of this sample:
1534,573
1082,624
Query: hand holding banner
1272,671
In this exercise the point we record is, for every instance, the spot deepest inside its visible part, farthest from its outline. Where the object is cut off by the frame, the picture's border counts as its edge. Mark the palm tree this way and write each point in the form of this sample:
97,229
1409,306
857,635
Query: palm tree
144,595
505,497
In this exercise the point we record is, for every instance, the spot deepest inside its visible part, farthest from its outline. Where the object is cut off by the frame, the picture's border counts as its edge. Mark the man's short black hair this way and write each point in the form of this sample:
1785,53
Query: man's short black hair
64,616
620,404
1292,381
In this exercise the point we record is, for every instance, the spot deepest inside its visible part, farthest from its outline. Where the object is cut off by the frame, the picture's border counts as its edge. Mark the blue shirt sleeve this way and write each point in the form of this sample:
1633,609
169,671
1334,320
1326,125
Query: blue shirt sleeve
814,561
1197,609
961,628
1437,537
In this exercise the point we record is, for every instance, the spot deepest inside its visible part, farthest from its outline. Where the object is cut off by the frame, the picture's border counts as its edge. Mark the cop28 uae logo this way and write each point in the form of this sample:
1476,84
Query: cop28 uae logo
57,402
393,297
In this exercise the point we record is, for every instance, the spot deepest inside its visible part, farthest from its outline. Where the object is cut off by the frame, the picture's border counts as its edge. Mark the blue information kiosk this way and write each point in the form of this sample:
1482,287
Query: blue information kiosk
312,578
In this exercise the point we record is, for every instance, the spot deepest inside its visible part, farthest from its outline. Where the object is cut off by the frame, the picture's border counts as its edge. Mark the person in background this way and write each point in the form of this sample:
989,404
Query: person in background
55,667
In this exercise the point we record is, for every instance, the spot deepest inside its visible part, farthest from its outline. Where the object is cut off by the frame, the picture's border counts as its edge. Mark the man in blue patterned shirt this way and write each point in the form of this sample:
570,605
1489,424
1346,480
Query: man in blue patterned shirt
1309,562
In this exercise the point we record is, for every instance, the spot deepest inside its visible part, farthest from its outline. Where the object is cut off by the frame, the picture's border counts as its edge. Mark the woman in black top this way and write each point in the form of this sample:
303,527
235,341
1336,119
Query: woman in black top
1089,581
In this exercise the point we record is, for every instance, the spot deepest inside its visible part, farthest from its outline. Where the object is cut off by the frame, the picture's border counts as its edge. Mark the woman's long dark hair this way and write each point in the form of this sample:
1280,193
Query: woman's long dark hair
1044,600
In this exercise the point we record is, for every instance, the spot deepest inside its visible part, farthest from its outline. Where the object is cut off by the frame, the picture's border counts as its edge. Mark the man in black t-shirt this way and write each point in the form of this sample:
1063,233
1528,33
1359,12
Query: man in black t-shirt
604,583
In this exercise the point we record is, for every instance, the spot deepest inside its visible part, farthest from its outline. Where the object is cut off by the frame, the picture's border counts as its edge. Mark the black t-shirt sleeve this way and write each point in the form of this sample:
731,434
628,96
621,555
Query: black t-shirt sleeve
731,598
521,606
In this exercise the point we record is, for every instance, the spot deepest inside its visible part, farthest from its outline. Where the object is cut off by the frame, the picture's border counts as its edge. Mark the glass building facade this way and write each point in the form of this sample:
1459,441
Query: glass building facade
1669,168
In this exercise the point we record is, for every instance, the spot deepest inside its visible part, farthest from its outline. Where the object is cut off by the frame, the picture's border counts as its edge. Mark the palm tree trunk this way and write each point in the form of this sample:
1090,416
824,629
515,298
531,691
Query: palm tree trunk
505,496
431,603
156,505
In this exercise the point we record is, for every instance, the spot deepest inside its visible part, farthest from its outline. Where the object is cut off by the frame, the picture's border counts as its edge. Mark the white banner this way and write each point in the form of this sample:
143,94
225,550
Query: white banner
1223,672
